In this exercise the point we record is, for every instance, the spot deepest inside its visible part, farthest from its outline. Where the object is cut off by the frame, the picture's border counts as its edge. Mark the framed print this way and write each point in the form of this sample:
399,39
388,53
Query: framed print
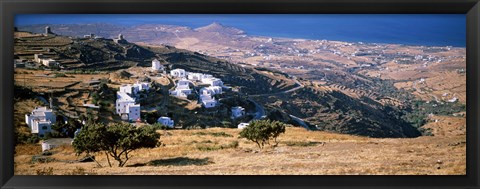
252,94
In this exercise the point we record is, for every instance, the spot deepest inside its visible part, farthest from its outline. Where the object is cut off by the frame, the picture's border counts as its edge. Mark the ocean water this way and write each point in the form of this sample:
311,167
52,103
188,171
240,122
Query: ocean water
409,29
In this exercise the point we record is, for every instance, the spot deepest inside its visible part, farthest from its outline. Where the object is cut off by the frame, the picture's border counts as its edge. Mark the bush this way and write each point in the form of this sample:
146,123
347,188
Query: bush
159,126
45,171
125,75
215,134
233,144
60,75
261,131
81,171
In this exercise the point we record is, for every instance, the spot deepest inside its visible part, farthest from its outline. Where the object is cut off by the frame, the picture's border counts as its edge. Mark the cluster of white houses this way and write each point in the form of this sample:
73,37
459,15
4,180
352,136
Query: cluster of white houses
186,79
126,105
40,120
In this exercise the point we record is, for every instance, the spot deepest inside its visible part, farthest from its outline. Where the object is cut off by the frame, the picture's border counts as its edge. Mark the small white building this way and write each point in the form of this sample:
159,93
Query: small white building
454,99
178,73
40,120
126,107
166,121
55,142
143,86
182,89
242,125
208,101
197,76
181,92
238,111
38,58
212,81
156,66
212,90
133,112
183,83
135,88
127,89
49,62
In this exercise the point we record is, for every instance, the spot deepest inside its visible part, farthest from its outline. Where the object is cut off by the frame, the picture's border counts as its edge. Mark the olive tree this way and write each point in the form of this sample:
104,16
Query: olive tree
261,131
115,140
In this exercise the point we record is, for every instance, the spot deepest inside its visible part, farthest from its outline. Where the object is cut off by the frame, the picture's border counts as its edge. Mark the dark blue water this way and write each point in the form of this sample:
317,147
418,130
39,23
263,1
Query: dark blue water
409,29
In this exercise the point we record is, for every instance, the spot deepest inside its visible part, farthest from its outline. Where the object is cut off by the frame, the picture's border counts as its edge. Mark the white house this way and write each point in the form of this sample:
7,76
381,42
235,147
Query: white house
156,66
38,58
48,62
133,112
126,107
212,81
208,101
242,125
197,76
183,83
40,120
238,111
166,121
212,90
182,89
128,89
143,86
135,88
181,92
454,99
178,73
55,142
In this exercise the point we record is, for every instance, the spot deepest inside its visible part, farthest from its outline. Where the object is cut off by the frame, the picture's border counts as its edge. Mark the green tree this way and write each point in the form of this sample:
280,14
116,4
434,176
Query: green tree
261,131
66,130
276,128
116,140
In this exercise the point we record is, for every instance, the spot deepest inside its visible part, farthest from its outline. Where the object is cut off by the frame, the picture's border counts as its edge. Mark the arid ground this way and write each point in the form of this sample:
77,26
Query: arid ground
218,151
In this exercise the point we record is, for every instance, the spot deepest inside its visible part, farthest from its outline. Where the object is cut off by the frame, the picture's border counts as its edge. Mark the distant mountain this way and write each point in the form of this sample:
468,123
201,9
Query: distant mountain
219,28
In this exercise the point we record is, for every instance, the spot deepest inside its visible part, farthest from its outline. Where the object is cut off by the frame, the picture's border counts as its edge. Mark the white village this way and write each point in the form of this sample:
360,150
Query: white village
40,120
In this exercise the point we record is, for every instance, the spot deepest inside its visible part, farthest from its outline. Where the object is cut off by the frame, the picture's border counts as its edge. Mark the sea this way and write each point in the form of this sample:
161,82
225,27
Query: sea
408,29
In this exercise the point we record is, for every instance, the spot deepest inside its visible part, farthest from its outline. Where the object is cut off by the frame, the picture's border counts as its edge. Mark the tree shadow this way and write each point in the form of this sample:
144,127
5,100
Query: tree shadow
178,161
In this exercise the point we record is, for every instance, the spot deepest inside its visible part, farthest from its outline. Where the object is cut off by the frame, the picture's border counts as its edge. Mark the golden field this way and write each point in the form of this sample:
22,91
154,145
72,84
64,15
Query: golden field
218,151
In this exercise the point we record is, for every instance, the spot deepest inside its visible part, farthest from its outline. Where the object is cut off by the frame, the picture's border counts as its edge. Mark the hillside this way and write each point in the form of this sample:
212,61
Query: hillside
217,151
281,94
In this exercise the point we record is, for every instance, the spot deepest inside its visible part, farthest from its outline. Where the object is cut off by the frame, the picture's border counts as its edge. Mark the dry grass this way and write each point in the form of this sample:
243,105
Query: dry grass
218,151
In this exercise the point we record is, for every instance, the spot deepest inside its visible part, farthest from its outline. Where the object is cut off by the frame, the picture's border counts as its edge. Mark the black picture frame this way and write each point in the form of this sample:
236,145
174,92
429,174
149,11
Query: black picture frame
11,7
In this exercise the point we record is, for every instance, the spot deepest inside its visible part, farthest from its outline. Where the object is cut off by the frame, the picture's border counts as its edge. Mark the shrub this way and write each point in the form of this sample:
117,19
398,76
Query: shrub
60,75
215,134
261,131
125,75
233,144
45,171
159,126
81,171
